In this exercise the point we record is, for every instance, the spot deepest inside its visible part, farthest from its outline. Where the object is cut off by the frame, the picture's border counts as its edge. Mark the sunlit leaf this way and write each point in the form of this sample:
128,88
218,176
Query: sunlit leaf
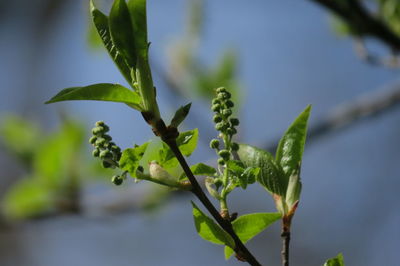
137,10
249,225
180,115
336,261
100,92
131,157
201,169
121,30
209,230
271,175
187,141
100,22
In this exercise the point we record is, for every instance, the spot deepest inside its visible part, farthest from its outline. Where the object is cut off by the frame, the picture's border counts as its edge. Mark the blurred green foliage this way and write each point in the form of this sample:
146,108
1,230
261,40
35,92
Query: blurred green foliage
53,163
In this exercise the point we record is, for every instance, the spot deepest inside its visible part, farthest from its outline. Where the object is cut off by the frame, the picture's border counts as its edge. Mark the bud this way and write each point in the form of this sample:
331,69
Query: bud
225,154
215,101
214,144
231,131
221,161
215,107
106,164
220,126
117,180
100,123
217,118
221,89
98,130
92,140
96,152
107,137
209,182
106,154
100,142
234,121
159,173
227,112
229,104
235,146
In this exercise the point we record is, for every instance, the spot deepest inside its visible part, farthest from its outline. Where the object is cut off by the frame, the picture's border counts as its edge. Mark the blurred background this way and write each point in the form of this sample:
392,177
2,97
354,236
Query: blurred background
60,208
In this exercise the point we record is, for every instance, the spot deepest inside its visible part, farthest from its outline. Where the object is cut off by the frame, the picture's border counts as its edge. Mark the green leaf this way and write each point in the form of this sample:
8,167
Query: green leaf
336,261
131,157
200,169
187,141
271,176
291,146
137,10
180,115
100,92
209,230
27,199
250,225
100,21
122,32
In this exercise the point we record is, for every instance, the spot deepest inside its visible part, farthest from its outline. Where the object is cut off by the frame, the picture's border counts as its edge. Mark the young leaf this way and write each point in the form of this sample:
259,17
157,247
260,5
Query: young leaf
209,230
122,32
250,225
271,175
100,92
291,146
180,115
130,158
137,10
201,169
100,21
336,261
187,141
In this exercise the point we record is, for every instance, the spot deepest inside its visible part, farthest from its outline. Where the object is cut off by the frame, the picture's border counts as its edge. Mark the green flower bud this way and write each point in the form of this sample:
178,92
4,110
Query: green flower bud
220,126
234,121
221,89
235,146
106,154
106,164
92,140
221,161
227,112
115,148
107,137
215,107
106,128
224,95
214,144
117,180
229,104
217,118
100,142
98,131
225,154
218,181
215,101
231,131
96,152
100,123
140,169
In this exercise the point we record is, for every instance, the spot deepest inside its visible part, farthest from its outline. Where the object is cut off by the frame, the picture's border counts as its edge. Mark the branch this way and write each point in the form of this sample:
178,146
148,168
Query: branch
240,248
346,115
362,21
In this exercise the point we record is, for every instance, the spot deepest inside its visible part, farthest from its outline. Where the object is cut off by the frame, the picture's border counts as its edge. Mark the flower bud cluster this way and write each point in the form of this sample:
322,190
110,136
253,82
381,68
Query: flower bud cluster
104,148
226,124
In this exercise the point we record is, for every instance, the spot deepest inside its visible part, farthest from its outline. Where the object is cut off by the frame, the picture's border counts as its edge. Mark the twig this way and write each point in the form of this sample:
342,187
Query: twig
362,21
391,61
240,248
285,247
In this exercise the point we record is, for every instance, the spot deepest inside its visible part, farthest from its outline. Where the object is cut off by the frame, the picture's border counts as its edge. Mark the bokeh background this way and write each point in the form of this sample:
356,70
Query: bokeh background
283,55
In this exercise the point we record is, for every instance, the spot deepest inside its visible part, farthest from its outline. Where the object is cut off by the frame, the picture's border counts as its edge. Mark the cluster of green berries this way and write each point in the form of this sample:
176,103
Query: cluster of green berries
225,124
104,148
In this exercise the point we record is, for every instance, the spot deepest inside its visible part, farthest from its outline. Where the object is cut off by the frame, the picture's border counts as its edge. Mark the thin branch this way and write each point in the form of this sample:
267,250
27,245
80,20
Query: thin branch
362,21
240,248
285,235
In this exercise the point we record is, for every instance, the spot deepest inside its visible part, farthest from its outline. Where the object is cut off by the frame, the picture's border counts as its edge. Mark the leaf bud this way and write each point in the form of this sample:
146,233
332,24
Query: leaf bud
117,180
225,154
214,144
217,118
